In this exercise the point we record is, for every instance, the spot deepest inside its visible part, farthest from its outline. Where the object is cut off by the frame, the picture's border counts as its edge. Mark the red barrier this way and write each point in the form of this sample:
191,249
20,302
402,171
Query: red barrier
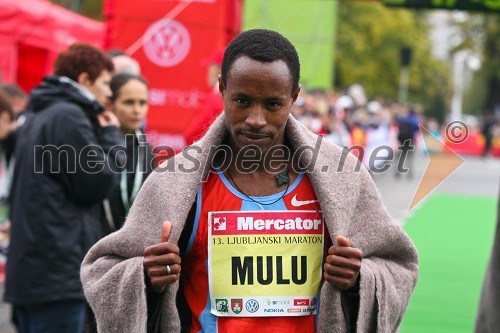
473,145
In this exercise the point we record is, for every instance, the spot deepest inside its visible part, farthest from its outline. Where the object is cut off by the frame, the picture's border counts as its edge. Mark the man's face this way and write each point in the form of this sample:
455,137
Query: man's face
100,87
257,101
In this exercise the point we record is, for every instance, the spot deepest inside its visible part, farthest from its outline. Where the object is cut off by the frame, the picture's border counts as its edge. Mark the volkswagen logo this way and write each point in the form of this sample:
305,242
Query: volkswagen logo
167,43
252,306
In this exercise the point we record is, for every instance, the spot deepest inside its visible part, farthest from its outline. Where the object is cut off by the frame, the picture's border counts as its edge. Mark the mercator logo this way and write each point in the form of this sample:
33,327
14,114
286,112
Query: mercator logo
249,223
219,223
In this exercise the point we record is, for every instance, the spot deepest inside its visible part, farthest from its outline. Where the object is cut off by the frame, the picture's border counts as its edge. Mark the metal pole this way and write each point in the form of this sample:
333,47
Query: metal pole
458,85
404,78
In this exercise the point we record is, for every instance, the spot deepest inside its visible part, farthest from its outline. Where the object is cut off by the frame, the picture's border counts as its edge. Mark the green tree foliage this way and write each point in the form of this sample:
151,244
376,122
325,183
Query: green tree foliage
369,41
491,68
89,8
483,94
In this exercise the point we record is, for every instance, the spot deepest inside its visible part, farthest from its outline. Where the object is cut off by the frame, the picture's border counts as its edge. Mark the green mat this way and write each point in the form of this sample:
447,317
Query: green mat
453,235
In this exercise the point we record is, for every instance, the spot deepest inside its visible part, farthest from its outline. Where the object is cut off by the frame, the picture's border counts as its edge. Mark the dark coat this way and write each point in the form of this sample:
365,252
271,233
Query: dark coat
488,319
63,171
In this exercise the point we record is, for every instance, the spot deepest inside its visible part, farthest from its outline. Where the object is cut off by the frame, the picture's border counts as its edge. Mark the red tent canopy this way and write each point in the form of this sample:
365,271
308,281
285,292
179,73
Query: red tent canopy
33,32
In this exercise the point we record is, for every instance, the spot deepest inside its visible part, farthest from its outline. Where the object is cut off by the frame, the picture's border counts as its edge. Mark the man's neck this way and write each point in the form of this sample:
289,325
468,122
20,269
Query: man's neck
259,177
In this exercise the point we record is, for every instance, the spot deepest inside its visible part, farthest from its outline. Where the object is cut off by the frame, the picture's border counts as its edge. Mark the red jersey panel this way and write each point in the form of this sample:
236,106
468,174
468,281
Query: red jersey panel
217,194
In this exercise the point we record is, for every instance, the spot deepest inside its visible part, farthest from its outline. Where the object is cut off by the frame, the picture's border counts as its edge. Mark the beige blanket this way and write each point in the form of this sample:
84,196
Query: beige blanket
113,276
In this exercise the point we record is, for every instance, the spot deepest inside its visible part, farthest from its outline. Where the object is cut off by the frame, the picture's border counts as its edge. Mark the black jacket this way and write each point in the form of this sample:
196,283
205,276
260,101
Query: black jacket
64,168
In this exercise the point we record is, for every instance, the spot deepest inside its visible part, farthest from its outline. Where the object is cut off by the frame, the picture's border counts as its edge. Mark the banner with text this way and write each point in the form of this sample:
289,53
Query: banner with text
170,39
265,263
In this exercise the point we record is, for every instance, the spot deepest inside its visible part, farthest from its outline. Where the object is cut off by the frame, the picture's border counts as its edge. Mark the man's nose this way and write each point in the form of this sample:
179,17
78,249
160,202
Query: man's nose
256,118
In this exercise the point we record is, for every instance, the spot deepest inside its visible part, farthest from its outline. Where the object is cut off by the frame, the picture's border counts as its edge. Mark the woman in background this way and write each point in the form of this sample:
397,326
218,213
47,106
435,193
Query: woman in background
129,102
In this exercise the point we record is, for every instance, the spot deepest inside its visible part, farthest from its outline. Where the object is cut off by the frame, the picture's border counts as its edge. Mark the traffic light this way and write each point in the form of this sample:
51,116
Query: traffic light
405,56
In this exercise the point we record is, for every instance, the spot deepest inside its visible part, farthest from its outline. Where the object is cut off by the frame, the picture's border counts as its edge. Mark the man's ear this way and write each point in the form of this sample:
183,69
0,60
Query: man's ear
296,93
84,79
222,88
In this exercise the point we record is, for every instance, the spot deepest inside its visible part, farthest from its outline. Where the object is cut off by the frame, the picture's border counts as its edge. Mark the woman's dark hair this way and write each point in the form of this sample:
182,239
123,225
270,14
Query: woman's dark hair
119,80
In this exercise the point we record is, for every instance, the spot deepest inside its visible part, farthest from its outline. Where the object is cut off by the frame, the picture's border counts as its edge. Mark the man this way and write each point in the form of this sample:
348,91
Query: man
7,116
18,98
487,129
407,132
64,169
7,126
124,63
250,238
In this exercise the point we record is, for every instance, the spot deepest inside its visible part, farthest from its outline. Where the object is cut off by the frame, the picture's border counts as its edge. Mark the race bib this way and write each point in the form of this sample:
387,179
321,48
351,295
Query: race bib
264,263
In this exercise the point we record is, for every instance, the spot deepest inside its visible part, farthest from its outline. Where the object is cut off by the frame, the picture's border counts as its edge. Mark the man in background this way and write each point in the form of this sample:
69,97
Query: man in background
124,63
211,105
64,168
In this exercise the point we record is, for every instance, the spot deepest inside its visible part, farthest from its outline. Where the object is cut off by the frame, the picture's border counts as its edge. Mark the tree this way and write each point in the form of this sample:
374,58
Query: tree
89,8
491,67
480,34
369,41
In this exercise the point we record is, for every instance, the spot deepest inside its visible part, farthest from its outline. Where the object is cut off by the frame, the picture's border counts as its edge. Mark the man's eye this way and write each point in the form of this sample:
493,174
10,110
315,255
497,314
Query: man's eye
241,101
274,105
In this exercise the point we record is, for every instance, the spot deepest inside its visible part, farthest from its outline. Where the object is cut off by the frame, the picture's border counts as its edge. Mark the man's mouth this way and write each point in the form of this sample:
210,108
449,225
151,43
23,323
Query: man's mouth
254,136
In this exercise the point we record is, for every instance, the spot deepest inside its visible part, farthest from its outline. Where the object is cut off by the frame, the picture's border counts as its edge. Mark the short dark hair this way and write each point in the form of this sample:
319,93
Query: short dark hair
82,58
13,90
5,104
119,80
264,46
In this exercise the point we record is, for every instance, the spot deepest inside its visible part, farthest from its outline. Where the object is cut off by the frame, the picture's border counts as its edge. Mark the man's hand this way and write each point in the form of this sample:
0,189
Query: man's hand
162,262
343,264
108,118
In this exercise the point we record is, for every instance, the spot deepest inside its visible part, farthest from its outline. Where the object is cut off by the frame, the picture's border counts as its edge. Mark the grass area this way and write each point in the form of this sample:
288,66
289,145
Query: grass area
453,235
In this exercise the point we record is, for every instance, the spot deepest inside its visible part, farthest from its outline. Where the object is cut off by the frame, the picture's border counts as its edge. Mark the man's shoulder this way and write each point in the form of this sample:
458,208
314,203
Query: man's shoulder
65,111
